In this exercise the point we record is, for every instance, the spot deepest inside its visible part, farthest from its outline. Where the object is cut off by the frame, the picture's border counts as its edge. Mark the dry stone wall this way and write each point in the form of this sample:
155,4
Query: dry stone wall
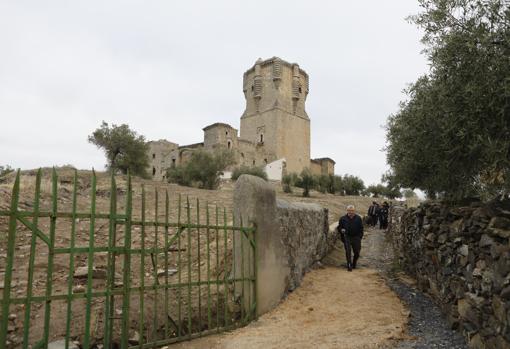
461,256
304,232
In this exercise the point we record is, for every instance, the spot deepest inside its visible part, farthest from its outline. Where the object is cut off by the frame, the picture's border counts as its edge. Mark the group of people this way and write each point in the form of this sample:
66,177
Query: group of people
379,213
350,228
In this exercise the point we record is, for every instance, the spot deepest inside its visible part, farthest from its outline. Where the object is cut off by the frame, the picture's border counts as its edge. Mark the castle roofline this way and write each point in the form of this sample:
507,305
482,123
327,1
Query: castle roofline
271,61
194,145
216,124
319,160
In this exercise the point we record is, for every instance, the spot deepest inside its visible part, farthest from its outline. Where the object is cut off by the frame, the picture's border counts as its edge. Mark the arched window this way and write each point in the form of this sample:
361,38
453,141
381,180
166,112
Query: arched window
153,171
229,144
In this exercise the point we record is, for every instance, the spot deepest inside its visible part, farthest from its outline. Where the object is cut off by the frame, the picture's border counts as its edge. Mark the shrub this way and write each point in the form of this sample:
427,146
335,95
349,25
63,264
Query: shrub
254,171
203,169
4,170
307,181
287,181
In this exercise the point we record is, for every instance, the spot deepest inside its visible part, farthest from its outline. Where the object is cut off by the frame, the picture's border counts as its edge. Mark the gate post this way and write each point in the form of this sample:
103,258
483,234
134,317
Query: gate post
255,203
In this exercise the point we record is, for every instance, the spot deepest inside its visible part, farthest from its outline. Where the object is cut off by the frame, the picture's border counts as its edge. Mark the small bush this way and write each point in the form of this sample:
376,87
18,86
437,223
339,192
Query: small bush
254,171
203,170
287,181
5,170
307,181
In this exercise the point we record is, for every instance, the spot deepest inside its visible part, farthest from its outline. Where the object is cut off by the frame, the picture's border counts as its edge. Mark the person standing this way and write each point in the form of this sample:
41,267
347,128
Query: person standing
383,218
373,214
351,228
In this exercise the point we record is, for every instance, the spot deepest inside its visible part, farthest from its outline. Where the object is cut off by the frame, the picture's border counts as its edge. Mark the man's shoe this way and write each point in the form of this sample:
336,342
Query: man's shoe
349,266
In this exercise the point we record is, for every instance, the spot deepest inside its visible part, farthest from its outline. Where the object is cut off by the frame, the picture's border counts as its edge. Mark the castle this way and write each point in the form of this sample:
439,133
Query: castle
274,131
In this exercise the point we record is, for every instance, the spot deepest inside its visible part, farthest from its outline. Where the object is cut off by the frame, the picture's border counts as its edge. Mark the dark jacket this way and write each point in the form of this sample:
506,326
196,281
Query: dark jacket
353,226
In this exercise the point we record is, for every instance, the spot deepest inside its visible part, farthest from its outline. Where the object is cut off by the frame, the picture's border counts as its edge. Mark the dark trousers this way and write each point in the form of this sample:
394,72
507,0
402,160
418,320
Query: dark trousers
373,220
383,222
352,243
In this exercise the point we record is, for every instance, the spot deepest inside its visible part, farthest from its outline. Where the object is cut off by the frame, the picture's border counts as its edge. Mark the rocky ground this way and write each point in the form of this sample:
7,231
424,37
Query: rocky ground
427,326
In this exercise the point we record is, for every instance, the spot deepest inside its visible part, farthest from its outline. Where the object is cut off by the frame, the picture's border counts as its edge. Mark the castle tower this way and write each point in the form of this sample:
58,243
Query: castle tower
275,116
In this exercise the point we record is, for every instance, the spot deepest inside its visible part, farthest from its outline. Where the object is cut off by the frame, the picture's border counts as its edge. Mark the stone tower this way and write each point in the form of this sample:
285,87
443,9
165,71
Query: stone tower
275,116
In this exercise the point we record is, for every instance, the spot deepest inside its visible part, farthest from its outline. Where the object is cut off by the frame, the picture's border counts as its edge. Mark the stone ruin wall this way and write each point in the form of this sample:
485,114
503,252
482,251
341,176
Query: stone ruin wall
461,256
304,231
290,239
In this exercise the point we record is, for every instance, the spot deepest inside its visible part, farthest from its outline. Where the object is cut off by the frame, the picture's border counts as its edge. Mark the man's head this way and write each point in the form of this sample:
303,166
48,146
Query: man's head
351,211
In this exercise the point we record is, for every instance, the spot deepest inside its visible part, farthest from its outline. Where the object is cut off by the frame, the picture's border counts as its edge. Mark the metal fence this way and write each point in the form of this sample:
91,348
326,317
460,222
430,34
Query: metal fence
144,279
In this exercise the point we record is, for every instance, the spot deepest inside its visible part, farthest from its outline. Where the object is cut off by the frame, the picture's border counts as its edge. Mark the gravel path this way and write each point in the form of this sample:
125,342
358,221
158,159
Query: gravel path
427,326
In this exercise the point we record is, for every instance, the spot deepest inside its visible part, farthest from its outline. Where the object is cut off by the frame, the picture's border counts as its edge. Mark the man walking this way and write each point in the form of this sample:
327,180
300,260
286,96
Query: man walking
351,228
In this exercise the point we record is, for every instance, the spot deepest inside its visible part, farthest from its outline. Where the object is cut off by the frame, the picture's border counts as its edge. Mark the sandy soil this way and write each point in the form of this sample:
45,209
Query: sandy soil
331,309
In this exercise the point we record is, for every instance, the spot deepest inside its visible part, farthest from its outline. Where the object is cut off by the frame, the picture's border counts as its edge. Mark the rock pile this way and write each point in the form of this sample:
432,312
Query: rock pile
461,256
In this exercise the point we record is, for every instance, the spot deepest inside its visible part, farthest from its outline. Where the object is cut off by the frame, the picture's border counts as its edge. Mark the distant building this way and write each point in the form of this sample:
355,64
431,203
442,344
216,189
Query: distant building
274,132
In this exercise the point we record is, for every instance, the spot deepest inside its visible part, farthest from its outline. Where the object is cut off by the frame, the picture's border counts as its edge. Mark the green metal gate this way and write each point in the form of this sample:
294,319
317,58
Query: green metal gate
135,275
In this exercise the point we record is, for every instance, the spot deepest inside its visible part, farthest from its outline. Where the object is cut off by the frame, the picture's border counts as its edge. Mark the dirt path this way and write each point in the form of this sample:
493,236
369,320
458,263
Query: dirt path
331,309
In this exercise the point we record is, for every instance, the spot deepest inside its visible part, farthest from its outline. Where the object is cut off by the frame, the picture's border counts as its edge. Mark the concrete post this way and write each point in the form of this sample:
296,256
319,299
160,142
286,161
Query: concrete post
255,203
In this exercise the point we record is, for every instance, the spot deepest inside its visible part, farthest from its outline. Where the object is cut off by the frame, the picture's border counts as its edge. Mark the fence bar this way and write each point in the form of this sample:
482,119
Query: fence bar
189,266
70,279
49,277
217,272
154,258
225,276
234,260
142,274
208,237
241,235
198,267
102,294
127,268
255,272
167,310
179,276
28,303
110,283
11,239
90,263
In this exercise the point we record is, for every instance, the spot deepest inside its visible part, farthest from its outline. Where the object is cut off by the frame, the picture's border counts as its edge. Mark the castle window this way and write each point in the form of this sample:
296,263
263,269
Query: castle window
252,88
242,155
173,162
153,156
153,171
261,138
299,89
265,160
253,162
226,133
229,144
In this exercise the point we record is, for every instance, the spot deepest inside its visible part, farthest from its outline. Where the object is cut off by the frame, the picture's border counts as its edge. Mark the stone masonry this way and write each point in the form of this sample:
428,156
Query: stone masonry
461,256
274,125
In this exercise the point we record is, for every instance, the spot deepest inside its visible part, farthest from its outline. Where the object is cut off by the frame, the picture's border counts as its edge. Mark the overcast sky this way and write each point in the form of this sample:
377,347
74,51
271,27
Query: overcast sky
169,68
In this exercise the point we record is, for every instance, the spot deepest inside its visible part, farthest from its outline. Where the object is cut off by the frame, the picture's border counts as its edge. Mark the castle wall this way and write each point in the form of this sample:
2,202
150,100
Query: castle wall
220,135
275,115
315,168
159,158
